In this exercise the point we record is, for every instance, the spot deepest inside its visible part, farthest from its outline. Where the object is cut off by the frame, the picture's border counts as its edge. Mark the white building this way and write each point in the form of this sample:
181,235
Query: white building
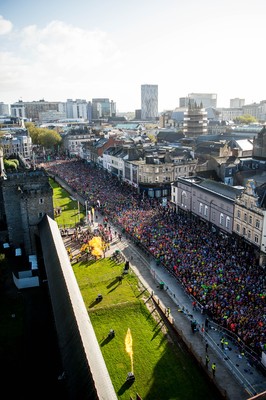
16,141
77,109
206,99
237,103
4,109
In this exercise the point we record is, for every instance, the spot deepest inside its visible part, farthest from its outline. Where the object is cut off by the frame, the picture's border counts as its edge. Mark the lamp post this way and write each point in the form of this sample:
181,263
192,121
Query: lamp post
75,216
86,210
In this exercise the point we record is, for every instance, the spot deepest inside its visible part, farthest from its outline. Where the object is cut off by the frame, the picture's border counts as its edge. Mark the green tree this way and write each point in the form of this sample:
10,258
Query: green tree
44,137
11,164
245,119
152,137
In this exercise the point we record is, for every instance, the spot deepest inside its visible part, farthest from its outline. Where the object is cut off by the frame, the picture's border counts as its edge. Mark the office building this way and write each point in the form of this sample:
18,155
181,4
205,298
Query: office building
31,110
4,109
103,108
76,109
149,102
237,103
204,99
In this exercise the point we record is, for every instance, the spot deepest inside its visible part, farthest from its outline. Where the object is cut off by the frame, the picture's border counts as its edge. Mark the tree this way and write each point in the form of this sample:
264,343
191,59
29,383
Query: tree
11,164
44,137
152,137
245,119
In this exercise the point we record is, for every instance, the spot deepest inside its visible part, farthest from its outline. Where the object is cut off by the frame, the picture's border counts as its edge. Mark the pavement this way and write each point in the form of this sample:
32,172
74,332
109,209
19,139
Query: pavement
235,377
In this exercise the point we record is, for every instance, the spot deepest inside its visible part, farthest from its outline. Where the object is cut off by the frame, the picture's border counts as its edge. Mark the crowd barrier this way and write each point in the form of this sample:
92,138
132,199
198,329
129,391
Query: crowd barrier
253,356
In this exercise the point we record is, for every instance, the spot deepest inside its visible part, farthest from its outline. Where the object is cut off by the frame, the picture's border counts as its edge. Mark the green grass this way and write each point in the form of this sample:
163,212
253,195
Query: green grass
72,211
162,370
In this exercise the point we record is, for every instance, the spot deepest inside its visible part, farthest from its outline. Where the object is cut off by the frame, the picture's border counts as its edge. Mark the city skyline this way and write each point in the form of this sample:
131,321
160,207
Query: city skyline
58,50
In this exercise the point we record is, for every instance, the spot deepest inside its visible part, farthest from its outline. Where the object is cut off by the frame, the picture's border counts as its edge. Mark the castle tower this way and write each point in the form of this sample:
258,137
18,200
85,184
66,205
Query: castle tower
27,197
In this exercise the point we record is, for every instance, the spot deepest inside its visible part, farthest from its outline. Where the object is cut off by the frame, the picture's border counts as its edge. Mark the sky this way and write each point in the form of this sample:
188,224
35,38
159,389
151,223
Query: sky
57,50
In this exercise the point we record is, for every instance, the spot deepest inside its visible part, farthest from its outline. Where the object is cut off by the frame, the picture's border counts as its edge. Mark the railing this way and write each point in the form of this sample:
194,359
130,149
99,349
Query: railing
253,357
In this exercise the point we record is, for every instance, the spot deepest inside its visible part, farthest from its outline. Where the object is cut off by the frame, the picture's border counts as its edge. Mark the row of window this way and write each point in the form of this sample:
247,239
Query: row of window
247,233
248,218
224,221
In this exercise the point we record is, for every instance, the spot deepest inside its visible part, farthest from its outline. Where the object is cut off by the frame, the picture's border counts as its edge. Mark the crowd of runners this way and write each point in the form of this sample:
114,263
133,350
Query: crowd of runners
222,274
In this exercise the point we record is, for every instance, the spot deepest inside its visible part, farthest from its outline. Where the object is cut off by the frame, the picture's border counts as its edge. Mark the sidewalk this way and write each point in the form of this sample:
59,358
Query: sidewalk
235,377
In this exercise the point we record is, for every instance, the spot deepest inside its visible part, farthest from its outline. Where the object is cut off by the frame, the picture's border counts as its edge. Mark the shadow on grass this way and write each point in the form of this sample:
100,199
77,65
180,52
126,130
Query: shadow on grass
106,340
148,299
150,314
141,293
94,303
125,387
158,330
116,282
84,263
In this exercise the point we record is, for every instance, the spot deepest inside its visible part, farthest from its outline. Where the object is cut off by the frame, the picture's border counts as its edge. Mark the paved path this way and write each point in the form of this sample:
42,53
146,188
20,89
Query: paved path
235,377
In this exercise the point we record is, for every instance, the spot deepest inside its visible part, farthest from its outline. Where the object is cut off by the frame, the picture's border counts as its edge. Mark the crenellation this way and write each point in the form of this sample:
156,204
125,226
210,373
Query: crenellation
26,197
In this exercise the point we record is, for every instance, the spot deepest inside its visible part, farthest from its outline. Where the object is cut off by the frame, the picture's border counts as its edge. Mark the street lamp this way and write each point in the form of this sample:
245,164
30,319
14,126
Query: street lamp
86,210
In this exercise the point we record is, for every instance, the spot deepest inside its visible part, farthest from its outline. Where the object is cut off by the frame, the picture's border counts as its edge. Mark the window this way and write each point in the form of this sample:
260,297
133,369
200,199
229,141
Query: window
257,223
40,214
238,228
41,201
249,234
244,231
206,211
183,199
227,222
238,214
200,208
256,238
250,219
245,217
221,219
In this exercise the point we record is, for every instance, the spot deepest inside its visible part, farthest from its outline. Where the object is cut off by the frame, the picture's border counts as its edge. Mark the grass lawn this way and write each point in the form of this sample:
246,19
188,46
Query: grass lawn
72,211
162,370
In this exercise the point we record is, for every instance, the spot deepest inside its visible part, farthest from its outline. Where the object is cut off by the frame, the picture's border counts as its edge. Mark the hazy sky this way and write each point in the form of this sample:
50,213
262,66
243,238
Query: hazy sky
58,50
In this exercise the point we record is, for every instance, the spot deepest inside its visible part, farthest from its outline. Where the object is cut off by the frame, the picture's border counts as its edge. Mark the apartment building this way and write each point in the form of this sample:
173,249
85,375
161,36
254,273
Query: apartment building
250,218
149,102
155,175
16,141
